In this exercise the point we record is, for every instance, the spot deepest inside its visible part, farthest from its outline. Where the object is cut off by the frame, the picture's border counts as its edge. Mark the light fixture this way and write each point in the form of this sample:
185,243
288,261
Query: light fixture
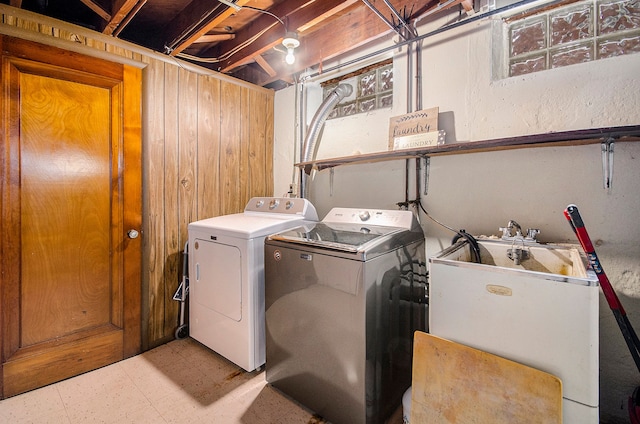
290,41
230,4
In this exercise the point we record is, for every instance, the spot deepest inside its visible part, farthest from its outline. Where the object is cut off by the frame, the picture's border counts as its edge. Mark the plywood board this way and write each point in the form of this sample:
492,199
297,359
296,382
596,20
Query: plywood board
454,383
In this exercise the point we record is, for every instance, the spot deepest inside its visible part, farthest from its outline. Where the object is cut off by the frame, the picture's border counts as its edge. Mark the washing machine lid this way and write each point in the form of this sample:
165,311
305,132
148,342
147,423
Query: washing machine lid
357,232
362,240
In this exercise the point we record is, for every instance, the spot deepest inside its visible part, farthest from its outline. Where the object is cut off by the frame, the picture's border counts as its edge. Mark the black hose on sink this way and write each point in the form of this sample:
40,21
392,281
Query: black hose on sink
473,243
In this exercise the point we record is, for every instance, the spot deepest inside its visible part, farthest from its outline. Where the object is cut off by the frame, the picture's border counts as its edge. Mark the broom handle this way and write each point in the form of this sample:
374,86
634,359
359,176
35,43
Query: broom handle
629,334
573,216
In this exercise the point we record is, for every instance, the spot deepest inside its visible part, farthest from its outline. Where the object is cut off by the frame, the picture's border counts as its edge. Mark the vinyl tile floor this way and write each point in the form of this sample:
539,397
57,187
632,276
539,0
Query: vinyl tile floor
179,382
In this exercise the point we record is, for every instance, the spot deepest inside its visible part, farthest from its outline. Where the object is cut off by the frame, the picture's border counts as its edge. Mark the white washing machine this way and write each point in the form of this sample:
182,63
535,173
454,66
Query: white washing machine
226,276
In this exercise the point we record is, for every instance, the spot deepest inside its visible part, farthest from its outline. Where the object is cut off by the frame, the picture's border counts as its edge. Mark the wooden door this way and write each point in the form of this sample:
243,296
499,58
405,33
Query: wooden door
71,193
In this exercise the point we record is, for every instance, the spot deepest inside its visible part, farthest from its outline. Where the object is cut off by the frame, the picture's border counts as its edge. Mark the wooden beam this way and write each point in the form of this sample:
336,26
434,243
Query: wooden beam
182,31
129,17
96,8
299,15
214,38
357,28
120,10
467,5
354,29
265,65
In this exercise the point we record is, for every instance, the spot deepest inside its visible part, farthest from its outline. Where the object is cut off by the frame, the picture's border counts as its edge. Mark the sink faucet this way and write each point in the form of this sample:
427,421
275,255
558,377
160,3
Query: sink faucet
513,224
513,231
507,232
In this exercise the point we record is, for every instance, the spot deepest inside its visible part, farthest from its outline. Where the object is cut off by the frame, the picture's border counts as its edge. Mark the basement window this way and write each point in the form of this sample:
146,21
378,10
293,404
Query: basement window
372,89
576,33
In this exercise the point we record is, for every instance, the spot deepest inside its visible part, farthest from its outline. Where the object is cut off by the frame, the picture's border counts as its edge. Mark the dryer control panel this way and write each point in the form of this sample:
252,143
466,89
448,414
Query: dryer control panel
285,205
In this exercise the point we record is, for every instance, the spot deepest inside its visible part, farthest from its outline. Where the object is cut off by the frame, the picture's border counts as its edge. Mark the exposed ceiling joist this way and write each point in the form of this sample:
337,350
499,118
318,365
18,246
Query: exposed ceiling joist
302,14
98,9
129,17
211,38
120,10
195,21
466,4
246,43
356,28
265,66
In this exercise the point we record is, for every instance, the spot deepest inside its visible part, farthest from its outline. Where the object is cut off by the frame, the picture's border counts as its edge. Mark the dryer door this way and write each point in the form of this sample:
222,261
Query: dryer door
218,279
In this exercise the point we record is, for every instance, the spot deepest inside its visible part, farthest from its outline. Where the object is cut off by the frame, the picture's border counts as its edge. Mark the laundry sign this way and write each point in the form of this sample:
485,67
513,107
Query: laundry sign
416,129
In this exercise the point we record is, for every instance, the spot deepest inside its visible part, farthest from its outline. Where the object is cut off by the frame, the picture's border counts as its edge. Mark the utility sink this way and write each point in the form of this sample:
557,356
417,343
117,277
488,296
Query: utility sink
532,303
560,260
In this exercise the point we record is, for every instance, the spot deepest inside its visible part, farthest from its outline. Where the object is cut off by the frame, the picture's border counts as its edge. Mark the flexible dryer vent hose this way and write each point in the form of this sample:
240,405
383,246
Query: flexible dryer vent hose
310,141
310,146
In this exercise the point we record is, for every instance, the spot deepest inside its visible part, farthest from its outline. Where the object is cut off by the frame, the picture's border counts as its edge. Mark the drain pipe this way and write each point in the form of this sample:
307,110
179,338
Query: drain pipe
298,135
317,123
418,76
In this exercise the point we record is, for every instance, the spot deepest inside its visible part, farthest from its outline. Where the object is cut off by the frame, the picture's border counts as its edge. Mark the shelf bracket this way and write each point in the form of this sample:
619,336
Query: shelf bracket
607,163
427,162
331,174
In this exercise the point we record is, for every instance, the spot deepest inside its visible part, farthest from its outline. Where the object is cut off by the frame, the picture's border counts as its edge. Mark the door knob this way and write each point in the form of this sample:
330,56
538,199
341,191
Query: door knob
133,234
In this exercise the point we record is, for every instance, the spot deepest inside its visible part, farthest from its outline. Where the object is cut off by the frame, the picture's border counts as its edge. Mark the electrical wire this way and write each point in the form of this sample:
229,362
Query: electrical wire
266,12
473,243
240,46
228,54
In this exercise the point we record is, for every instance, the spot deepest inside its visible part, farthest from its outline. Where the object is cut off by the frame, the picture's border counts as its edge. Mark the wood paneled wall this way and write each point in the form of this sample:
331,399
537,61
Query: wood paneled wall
207,149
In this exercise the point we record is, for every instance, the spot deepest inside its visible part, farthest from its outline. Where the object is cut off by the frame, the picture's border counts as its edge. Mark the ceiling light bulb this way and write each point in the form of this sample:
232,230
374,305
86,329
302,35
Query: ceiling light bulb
290,58
290,41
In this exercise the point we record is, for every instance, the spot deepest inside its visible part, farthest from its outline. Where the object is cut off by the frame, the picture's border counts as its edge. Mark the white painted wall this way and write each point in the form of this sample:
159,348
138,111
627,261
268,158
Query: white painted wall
482,191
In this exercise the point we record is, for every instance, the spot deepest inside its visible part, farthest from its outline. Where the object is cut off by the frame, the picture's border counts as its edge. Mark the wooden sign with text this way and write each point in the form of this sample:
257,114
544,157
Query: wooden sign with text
413,124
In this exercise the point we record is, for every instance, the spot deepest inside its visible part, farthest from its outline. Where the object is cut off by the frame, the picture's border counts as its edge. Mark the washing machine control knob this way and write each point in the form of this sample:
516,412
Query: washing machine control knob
274,204
259,203
364,215
289,204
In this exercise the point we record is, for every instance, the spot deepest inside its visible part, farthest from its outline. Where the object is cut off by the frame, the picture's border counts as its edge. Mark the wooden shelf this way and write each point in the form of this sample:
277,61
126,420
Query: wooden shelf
566,138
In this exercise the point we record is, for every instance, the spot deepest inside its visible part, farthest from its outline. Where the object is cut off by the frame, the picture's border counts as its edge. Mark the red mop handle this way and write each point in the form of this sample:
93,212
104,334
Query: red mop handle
574,218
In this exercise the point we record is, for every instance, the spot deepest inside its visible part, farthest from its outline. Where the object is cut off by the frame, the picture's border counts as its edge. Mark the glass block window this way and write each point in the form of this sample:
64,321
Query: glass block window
577,33
372,89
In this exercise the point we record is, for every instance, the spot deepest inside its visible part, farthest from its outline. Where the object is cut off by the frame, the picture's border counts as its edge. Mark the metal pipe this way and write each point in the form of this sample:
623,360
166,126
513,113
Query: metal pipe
419,75
411,31
410,78
458,24
298,137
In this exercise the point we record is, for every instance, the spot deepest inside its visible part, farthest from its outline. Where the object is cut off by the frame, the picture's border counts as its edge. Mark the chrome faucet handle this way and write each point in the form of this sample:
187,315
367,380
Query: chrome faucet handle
532,233
506,232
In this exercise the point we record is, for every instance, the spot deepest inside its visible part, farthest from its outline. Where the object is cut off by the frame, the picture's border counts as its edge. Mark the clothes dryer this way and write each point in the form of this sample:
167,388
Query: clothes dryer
226,273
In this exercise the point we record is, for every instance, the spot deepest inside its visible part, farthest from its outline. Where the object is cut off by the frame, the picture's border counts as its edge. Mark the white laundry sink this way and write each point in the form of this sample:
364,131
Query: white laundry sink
561,260
539,309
